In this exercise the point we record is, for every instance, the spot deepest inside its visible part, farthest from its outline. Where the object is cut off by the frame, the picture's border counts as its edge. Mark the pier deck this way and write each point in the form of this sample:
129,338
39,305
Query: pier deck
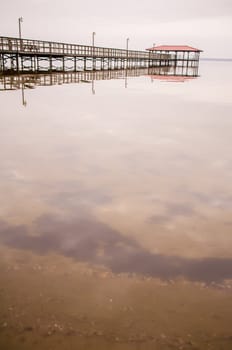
37,55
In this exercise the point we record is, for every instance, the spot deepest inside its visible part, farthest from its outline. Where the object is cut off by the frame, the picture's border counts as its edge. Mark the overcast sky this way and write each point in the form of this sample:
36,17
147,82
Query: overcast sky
205,24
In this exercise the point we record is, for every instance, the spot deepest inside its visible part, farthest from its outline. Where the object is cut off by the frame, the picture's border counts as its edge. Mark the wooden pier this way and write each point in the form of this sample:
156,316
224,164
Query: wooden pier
26,55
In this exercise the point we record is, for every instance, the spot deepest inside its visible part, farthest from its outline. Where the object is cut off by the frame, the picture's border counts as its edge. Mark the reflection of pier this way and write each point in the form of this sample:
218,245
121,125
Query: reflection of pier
26,55
9,82
30,81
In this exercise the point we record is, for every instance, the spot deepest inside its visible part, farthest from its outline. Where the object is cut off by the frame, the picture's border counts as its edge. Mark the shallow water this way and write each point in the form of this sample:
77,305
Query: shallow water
129,176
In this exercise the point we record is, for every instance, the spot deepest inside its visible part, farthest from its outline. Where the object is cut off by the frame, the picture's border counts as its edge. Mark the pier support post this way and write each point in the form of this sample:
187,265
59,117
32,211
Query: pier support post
34,63
22,66
12,62
37,63
2,66
17,62
63,64
50,63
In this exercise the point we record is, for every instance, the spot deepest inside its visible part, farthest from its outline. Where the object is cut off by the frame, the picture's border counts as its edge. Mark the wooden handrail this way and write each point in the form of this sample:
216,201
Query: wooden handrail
31,46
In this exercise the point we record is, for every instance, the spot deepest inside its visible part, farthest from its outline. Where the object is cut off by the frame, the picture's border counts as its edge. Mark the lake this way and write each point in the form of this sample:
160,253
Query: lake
116,211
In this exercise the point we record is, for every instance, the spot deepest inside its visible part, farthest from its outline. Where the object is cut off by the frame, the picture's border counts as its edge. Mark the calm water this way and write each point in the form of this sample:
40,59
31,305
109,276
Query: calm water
135,180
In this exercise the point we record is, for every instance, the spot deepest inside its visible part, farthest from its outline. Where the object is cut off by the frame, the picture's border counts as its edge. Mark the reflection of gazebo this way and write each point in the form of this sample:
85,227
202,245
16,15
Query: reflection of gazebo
173,73
172,78
177,54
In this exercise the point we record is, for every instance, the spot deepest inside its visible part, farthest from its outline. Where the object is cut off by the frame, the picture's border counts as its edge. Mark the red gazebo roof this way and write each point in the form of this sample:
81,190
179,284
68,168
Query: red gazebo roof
174,48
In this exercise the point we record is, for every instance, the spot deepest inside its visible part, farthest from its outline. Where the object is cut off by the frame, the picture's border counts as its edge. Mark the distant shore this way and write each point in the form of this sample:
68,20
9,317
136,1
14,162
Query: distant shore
216,59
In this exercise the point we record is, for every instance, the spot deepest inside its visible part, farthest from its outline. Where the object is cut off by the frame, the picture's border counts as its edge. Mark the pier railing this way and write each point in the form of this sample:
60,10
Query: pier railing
39,47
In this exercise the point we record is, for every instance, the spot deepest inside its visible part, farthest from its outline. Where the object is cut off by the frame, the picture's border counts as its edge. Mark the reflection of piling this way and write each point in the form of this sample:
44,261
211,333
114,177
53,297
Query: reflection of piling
28,80
24,102
38,56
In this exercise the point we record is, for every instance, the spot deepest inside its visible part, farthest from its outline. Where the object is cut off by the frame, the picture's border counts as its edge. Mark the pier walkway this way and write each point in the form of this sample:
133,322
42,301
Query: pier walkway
36,55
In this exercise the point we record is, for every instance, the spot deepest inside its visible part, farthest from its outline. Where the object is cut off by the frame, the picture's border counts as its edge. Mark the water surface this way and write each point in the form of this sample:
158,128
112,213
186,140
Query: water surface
131,175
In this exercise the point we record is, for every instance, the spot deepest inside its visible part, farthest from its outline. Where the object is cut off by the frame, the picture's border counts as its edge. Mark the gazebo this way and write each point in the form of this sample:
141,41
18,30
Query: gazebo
186,55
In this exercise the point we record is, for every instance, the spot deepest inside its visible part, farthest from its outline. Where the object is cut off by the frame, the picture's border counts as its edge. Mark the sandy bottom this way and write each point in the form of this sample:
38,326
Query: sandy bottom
54,302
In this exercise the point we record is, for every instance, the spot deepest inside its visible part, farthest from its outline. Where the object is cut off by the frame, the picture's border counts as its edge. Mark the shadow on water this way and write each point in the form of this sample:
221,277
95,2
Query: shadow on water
88,240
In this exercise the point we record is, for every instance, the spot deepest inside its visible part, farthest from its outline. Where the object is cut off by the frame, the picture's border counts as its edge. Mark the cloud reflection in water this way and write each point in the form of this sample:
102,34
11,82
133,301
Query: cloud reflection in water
88,240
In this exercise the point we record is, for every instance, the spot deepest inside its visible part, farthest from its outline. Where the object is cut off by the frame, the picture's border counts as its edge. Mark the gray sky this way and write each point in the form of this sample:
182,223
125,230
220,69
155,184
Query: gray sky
205,24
